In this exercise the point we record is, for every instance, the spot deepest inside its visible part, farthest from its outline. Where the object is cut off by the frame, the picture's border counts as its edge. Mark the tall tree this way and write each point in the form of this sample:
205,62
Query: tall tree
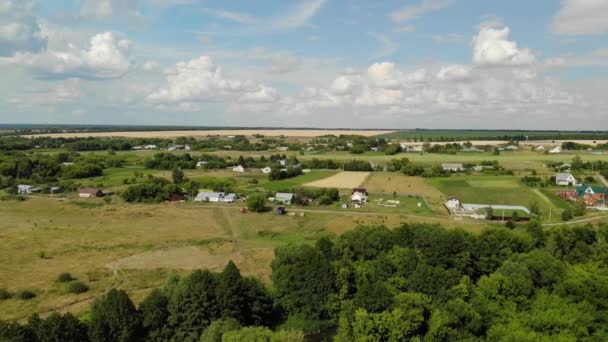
114,318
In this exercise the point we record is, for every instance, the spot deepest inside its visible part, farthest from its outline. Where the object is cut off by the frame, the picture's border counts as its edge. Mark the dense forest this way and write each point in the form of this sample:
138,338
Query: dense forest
415,282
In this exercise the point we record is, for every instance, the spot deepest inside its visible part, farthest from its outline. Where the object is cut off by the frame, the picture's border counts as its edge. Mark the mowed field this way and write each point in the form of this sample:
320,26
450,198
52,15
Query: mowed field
342,180
137,247
299,133
503,190
389,182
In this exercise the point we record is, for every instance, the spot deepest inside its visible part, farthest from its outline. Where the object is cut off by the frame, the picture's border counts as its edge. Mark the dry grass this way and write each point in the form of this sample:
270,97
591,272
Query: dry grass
136,247
202,134
342,180
385,182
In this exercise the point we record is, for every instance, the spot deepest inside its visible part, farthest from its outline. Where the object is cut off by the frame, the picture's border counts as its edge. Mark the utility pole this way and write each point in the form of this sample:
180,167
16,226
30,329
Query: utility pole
549,214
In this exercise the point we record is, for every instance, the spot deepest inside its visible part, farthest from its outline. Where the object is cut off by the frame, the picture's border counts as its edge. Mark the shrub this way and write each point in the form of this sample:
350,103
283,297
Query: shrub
42,255
4,294
65,277
25,294
256,203
77,287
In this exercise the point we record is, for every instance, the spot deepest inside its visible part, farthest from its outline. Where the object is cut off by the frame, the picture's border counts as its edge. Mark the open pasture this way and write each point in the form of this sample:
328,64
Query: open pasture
342,180
502,190
389,182
137,247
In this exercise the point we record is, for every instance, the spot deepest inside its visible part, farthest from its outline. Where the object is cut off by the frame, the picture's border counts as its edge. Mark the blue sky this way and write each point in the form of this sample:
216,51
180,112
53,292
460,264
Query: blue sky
318,63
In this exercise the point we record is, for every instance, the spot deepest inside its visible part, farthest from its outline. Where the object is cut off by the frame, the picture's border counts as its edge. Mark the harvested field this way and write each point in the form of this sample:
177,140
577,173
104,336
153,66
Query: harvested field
302,133
342,180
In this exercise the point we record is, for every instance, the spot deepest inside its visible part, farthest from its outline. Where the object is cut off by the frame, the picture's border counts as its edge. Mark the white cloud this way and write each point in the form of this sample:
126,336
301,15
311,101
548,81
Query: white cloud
414,11
241,18
492,47
450,38
200,80
581,17
298,16
105,9
19,28
107,57
283,63
454,72
387,46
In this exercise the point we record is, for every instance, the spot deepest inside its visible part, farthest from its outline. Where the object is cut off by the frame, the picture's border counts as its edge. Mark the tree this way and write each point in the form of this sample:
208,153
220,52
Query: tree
231,296
178,176
218,328
256,203
535,208
193,305
154,314
303,279
579,208
567,214
58,328
114,318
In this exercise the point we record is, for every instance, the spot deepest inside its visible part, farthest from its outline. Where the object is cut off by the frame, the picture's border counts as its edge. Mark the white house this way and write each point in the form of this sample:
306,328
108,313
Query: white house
25,189
452,167
202,163
565,179
187,148
512,148
283,162
239,168
90,192
453,204
540,148
267,170
556,149
283,148
285,198
209,197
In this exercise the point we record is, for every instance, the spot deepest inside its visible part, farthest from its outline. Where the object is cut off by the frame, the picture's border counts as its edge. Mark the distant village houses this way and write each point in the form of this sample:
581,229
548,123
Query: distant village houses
565,179
452,167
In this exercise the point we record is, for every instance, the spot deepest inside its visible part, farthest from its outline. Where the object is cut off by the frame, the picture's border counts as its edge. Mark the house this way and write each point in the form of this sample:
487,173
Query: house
201,164
283,162
471,149
415,149
230,198
593,196
267,170
283,148
67,163
374,149
556,150
187,148
540,148
512,148
567,195
25,189
358,197
285,198
209,197
176,147
55,189
239,168
177,197
452,167
90,192
565,179
453,204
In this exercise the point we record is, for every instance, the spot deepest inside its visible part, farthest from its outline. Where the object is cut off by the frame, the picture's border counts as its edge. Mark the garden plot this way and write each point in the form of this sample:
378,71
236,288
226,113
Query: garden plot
342,180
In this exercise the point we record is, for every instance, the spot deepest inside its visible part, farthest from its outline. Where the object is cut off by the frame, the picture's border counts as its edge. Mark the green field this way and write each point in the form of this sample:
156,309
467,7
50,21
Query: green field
455,135
503,190
298,181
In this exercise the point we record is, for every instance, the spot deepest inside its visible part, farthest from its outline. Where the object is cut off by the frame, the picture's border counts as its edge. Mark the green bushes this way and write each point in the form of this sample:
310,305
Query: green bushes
77,288
25,294
4,294
65,277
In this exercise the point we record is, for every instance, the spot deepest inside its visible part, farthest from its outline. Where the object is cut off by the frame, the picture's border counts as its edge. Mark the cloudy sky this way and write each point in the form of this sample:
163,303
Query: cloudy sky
315,63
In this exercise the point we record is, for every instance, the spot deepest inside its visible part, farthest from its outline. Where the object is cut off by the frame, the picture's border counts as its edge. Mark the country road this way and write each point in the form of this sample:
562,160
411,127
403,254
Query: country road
603,180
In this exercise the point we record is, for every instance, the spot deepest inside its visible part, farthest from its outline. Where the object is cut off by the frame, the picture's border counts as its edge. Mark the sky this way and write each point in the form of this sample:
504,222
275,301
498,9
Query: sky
454,64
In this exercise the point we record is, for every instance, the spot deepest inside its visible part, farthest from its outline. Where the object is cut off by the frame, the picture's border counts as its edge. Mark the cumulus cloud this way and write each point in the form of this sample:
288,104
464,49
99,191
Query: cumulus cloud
105,9
414,11
283,63
492,47
200,80
106,57
581,17
454,72
19,28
